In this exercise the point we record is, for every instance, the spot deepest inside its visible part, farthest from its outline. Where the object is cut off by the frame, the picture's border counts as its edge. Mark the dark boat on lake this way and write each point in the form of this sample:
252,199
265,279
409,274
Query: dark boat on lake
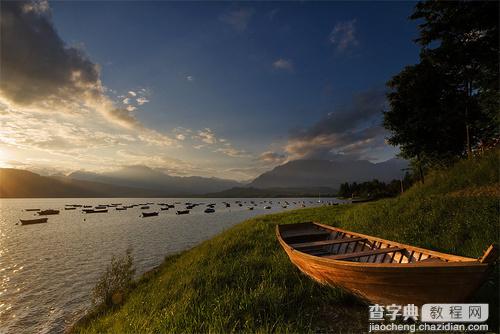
33,221
95,211
31,209
209,210
182,212
48,212
149,214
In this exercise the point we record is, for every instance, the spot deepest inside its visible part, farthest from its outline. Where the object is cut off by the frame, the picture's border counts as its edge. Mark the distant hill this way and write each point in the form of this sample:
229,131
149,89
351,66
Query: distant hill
147,178
325,173
241,192
15,183
295,178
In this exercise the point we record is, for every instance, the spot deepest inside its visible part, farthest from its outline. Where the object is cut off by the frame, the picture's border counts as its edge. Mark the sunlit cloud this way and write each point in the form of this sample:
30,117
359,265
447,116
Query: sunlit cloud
142,100
207,136
272,157
232,152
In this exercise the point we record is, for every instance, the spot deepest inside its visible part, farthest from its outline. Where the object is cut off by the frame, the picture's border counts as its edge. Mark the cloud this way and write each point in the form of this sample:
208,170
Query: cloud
283,64
28,37
132,93
232,152
54,135
180,137
272,157
238,19
352,129
343,35
41,73
142,100
126,100
160,161
207,136
189,78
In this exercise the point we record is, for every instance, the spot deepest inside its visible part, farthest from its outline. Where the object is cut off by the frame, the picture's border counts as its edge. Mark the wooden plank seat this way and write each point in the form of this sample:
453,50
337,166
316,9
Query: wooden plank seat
321,243
306,234
365,253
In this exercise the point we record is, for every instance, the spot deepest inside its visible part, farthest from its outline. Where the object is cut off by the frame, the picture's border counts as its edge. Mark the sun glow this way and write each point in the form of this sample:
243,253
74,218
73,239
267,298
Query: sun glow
3,159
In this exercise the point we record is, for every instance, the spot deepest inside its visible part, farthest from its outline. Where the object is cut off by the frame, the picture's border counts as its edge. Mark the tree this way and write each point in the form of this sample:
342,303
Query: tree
448,103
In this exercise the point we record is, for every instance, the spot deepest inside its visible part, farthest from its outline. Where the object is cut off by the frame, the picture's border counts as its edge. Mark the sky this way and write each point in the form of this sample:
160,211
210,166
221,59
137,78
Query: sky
216,89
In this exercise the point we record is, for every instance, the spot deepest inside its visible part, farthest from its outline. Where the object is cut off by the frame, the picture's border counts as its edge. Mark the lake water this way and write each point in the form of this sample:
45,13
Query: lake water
47,271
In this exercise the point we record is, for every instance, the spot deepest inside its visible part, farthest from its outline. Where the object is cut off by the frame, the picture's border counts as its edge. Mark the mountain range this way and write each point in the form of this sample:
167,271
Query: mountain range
328,173
148,178
294,177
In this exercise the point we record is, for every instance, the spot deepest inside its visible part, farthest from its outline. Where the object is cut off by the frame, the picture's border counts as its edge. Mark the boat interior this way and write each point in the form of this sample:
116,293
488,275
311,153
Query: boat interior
337,244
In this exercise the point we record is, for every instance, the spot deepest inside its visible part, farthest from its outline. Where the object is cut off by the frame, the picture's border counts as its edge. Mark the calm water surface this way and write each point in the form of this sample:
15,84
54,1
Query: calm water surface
47,271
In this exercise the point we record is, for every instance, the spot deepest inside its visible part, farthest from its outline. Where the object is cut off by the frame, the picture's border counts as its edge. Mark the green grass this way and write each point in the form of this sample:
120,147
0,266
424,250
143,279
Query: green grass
241,280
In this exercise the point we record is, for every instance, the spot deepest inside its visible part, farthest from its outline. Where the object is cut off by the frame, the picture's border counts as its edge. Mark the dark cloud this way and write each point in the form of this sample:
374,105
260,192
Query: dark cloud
352,130
38,69
35,62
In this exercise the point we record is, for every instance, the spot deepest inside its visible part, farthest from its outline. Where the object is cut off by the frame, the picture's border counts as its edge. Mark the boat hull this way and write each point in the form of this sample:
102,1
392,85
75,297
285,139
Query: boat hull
412,285
399,283
33,221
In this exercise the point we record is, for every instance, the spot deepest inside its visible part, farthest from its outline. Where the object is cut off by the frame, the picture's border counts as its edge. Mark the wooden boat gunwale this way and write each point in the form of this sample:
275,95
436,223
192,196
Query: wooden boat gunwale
34,221
453,260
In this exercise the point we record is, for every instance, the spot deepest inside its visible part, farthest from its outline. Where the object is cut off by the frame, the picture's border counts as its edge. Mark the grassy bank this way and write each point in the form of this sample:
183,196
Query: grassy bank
242,281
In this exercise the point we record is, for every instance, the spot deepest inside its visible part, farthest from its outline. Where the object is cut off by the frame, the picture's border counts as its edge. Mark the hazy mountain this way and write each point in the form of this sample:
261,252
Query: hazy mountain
147,178
240,192
16,183
325,173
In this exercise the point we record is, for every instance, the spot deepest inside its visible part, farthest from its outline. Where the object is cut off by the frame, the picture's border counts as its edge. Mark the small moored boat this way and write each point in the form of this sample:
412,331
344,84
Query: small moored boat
149,214
182,212
48,212
383,271
31,209
33,221
95,211
209,210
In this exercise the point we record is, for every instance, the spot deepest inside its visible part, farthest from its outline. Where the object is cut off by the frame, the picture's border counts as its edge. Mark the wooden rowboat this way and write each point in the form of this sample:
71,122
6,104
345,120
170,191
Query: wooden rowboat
33,221
149,214
383,271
